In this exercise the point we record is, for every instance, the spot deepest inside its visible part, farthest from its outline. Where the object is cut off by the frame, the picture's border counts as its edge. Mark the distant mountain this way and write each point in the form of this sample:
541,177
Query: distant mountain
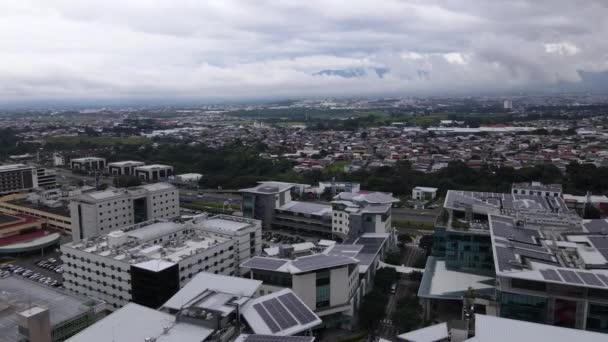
353,72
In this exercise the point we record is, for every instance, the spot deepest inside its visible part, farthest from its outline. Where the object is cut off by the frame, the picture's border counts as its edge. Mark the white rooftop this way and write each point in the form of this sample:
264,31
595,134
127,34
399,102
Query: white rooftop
224,224
126,163
154,167
495,329
433,333
438,281
202,282
426,189
134,322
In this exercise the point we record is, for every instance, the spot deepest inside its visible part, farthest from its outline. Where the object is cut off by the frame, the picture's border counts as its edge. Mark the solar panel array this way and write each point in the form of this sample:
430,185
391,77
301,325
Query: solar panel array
284,312
570,276
272,338
550,275
590,279
264,263
601,243
576,277
507,231
297,308
266,318
279,313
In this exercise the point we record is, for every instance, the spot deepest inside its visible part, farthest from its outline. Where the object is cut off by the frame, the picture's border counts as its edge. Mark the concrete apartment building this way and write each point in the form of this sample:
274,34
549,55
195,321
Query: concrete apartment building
17,178
154,172
527,256
124,168
147,263
100,212
88,163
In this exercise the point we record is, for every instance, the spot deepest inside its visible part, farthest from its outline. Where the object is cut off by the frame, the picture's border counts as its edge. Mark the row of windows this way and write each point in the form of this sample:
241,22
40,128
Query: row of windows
103,283
103,274
88,261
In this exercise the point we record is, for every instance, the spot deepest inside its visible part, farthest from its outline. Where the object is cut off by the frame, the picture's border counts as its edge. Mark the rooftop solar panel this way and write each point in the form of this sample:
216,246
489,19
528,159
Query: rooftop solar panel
279,313
274,328
264,263
297,308
600,242
590,279
604,278
550,275
570,277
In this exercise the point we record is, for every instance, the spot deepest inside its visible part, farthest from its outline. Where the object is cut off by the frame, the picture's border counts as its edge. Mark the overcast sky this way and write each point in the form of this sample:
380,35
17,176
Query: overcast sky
151,49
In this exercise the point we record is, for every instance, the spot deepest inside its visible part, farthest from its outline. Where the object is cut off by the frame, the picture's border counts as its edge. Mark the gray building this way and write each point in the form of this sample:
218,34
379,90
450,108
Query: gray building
17,177
27,305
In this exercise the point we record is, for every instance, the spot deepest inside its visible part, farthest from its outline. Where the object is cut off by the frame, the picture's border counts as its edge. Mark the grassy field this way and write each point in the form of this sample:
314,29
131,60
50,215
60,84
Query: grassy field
101,141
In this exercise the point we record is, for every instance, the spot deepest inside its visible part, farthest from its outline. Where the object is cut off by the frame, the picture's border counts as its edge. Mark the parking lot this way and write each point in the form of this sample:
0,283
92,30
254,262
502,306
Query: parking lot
43,269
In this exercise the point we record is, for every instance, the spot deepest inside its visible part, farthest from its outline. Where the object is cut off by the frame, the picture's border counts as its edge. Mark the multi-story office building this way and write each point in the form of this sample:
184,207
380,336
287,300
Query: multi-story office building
47,179
213,308
124,168
261,201
88,163
537,189
327,284
246,233
31,310
549,265
148,262
271,202
154,172
100,212
17,177
362,212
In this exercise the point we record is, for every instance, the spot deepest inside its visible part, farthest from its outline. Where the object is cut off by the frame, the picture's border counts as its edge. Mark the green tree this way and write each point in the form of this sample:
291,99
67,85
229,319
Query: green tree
408,314
372,310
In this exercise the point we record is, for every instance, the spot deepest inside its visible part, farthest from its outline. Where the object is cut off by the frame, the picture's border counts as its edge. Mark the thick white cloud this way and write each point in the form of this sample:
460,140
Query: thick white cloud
191,49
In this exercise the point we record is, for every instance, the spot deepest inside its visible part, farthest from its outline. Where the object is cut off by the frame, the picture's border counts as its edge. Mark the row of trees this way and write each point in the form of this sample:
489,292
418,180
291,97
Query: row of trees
236,166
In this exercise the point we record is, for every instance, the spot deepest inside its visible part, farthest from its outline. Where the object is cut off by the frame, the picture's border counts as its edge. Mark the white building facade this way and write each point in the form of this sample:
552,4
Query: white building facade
100,212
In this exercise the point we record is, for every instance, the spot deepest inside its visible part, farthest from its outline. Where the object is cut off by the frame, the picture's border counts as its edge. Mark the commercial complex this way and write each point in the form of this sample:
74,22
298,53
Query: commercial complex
211,307
349,215
331,283
526,256
17,177
154,172
148,262
362,212
88,164
20,234
101,212
124,168
28,308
